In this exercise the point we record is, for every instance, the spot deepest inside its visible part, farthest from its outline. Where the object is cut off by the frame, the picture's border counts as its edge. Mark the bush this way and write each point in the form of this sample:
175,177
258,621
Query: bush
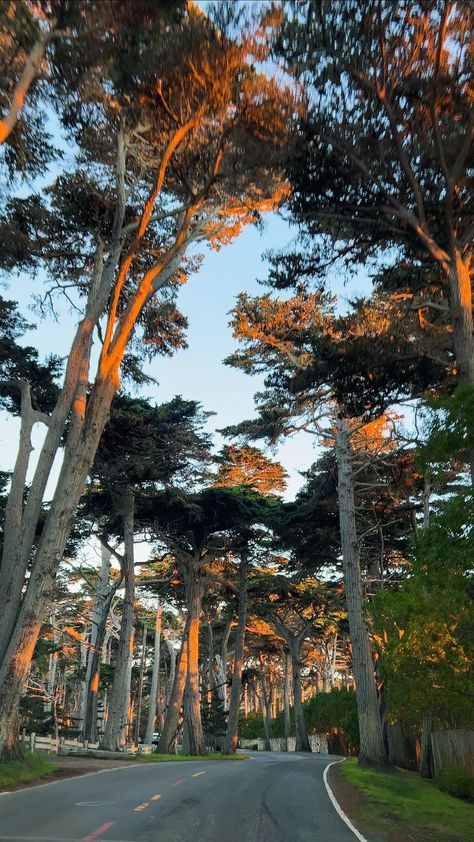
457,783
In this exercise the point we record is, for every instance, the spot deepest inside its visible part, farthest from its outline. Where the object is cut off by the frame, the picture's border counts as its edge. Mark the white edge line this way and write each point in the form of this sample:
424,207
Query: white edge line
73,777
336,804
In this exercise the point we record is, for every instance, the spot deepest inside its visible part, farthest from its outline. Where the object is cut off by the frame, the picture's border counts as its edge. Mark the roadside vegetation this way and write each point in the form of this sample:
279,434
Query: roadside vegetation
29,768
405,805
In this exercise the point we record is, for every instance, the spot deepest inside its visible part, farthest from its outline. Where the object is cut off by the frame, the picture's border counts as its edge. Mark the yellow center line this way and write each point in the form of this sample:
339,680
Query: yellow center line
141,807
155,797
196,774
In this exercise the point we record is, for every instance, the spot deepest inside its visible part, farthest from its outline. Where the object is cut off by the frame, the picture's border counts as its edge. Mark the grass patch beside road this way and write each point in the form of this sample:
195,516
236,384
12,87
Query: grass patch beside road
407,806
164,758
29,768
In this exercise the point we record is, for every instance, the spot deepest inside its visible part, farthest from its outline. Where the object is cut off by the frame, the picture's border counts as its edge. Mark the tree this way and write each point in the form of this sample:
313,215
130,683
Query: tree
222,121
384,159
245,467
322,367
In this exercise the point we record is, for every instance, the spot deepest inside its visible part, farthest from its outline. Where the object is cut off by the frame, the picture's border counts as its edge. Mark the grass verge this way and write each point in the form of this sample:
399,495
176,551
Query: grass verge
29,768
405,806
165,758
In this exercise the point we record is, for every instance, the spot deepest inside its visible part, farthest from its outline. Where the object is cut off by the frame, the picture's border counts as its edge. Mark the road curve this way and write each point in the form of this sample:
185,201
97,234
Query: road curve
269,798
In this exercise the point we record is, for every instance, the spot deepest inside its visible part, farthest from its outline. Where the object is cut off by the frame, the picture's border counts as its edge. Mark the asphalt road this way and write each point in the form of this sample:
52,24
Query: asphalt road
269,798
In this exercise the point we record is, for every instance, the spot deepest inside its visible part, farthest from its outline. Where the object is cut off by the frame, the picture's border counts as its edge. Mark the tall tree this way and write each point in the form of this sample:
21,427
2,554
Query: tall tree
184,157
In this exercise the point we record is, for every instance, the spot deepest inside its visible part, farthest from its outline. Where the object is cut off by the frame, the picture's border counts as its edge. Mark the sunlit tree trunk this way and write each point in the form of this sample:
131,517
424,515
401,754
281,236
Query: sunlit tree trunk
150,723
372,750
232,735
170,727
119,699
192,695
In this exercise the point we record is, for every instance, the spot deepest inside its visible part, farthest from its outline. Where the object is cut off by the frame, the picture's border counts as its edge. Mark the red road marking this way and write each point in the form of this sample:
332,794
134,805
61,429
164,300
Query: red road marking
98,831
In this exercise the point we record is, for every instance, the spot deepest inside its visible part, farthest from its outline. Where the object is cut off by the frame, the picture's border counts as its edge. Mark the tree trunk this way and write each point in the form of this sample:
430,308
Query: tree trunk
225,643
286,696
192,696
302,742
100,612
37,600
172,654
372,750
150,723
232,732
461,314
426,760
170,727
114,734
266,709
140,687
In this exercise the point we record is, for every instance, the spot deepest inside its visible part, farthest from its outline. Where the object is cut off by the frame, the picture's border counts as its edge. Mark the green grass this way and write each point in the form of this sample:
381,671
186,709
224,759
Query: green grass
166,758
401,802
29,768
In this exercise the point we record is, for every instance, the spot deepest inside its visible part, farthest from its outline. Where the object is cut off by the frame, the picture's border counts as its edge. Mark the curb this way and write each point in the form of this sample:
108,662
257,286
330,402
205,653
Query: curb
336,804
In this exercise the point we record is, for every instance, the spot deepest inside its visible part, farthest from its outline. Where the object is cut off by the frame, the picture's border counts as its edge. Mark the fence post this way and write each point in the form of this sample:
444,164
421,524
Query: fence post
32,741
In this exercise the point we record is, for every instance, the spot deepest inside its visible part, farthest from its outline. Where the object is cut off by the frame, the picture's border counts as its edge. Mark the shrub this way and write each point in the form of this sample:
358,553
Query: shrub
457,783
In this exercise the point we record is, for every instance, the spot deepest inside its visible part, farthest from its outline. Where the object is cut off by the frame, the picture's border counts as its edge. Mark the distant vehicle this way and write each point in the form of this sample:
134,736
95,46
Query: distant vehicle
155,739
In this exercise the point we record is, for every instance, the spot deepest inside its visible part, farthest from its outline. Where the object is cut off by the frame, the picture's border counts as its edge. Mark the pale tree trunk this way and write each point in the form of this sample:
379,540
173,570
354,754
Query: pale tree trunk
210,660
332,671
224,656
170,727
114,734
172,673
265,699
192,696
232,732
372,750
221,680
12,573
140,686
286,696
100,612
302,742
52,668
150,723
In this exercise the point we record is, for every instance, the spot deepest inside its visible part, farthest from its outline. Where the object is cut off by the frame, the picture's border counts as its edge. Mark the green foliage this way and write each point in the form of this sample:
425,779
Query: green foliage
425,631
214,715
332,713
450,426
457,783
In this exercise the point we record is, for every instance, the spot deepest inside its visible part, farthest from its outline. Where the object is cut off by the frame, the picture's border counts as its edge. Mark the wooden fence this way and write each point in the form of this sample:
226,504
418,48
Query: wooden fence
37,742
453,750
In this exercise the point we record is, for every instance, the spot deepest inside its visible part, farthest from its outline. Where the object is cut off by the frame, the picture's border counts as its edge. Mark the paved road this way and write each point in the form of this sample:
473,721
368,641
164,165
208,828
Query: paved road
269,798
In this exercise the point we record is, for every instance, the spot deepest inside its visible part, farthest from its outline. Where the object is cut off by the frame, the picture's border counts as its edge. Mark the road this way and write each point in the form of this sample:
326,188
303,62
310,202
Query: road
268,798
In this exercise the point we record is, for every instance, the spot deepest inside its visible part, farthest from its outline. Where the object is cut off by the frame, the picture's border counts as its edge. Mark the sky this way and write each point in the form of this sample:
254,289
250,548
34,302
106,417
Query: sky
198,372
